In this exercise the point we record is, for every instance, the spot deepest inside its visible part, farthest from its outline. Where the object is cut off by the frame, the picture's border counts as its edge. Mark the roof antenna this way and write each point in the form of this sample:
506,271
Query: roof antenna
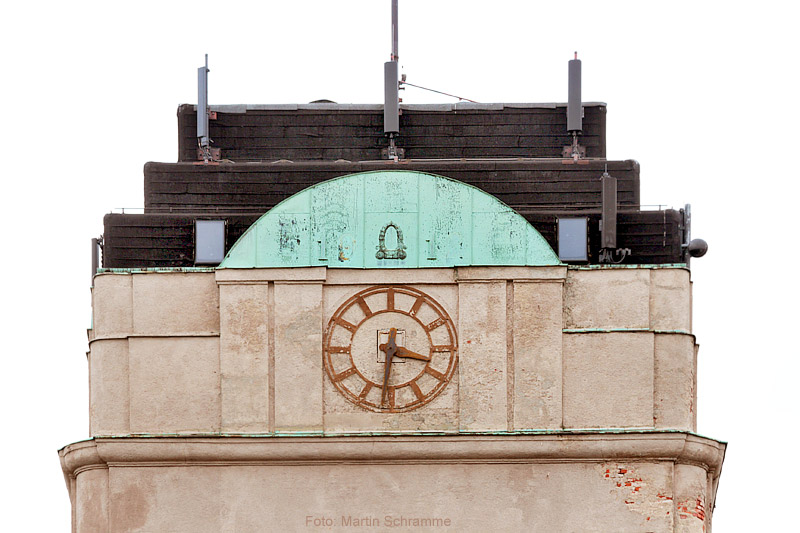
204,150
608,221
391,98
574,111
691,247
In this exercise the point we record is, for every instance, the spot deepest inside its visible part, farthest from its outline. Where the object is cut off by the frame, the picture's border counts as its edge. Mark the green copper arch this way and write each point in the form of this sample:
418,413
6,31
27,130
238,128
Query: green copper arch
390,219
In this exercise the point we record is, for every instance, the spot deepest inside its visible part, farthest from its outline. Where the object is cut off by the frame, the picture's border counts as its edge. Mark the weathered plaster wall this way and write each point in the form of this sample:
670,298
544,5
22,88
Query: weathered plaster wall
239,351
154,359
493,497
92,499
244,357
608,380
298,356
629,354
537,351
549,483
174,384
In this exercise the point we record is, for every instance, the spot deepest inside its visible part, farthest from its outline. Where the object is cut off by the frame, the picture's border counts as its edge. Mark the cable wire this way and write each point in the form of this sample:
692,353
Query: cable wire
438,92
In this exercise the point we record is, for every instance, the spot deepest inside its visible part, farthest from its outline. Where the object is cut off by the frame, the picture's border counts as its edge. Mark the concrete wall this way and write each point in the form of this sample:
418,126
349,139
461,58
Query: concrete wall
240,351
154,359
213,387
622,483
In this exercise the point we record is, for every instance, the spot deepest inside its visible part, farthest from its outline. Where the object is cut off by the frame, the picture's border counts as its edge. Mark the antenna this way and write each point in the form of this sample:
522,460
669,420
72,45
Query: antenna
574,109
391,98
395,54
691,247
203,141
608,222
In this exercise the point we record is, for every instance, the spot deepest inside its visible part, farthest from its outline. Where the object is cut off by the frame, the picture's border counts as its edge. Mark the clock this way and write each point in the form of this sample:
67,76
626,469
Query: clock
390,349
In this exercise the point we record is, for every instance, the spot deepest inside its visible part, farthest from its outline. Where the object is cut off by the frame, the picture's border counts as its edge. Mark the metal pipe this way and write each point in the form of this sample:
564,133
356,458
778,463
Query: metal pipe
395,53
95,258
202,105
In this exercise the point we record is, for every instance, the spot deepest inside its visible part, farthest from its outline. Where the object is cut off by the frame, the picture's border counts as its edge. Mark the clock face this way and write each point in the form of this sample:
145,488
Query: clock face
390,349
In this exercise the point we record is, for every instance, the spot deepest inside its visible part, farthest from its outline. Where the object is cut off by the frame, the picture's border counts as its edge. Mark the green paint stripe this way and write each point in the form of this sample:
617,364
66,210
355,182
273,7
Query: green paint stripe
368,434
153,269
624,330
623,267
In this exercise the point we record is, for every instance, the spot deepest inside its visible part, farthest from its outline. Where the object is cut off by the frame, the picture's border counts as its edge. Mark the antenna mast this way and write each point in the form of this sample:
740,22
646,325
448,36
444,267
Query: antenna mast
203,140
391,98
395,54
574,110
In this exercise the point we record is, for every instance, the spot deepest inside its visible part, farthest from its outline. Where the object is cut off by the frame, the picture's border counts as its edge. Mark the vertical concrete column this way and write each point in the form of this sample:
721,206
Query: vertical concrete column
690,499
109,392
244,357
694,389
674,381
483,356
91,501
112,324
537,331
112,306
298,356
670,300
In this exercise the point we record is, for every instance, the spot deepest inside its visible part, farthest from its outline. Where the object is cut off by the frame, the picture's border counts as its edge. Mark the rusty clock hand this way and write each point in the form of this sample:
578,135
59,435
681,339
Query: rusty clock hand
403,352
390,348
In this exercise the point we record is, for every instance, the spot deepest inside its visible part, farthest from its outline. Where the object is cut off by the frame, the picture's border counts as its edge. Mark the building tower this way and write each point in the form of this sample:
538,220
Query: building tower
468,324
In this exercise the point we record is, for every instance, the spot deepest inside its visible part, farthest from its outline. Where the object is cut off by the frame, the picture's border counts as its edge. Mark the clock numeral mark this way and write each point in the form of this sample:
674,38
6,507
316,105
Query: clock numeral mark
390,299
364,307
435,373
346,325
442,348
347,373
389,397
338,349
416,306
363,394
417,390
435,324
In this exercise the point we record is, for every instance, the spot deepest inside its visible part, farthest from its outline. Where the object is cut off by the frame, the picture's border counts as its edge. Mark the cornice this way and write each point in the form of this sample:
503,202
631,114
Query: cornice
677,447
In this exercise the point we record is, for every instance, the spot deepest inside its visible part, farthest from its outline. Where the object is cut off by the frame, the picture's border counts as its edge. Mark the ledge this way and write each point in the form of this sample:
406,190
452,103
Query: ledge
151,270
653,266
513,273
244,108
347,276
629,330
265,275
121,335
678,447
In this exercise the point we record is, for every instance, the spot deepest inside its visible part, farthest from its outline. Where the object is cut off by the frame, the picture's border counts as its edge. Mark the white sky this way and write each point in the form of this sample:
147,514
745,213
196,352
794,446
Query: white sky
702,94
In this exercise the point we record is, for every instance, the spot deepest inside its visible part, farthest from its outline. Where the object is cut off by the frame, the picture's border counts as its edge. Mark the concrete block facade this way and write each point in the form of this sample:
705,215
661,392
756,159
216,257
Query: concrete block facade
574,384
239,352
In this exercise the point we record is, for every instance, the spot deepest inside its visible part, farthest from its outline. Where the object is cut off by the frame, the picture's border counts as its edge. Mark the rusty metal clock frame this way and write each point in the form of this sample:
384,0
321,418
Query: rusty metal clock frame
371,384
